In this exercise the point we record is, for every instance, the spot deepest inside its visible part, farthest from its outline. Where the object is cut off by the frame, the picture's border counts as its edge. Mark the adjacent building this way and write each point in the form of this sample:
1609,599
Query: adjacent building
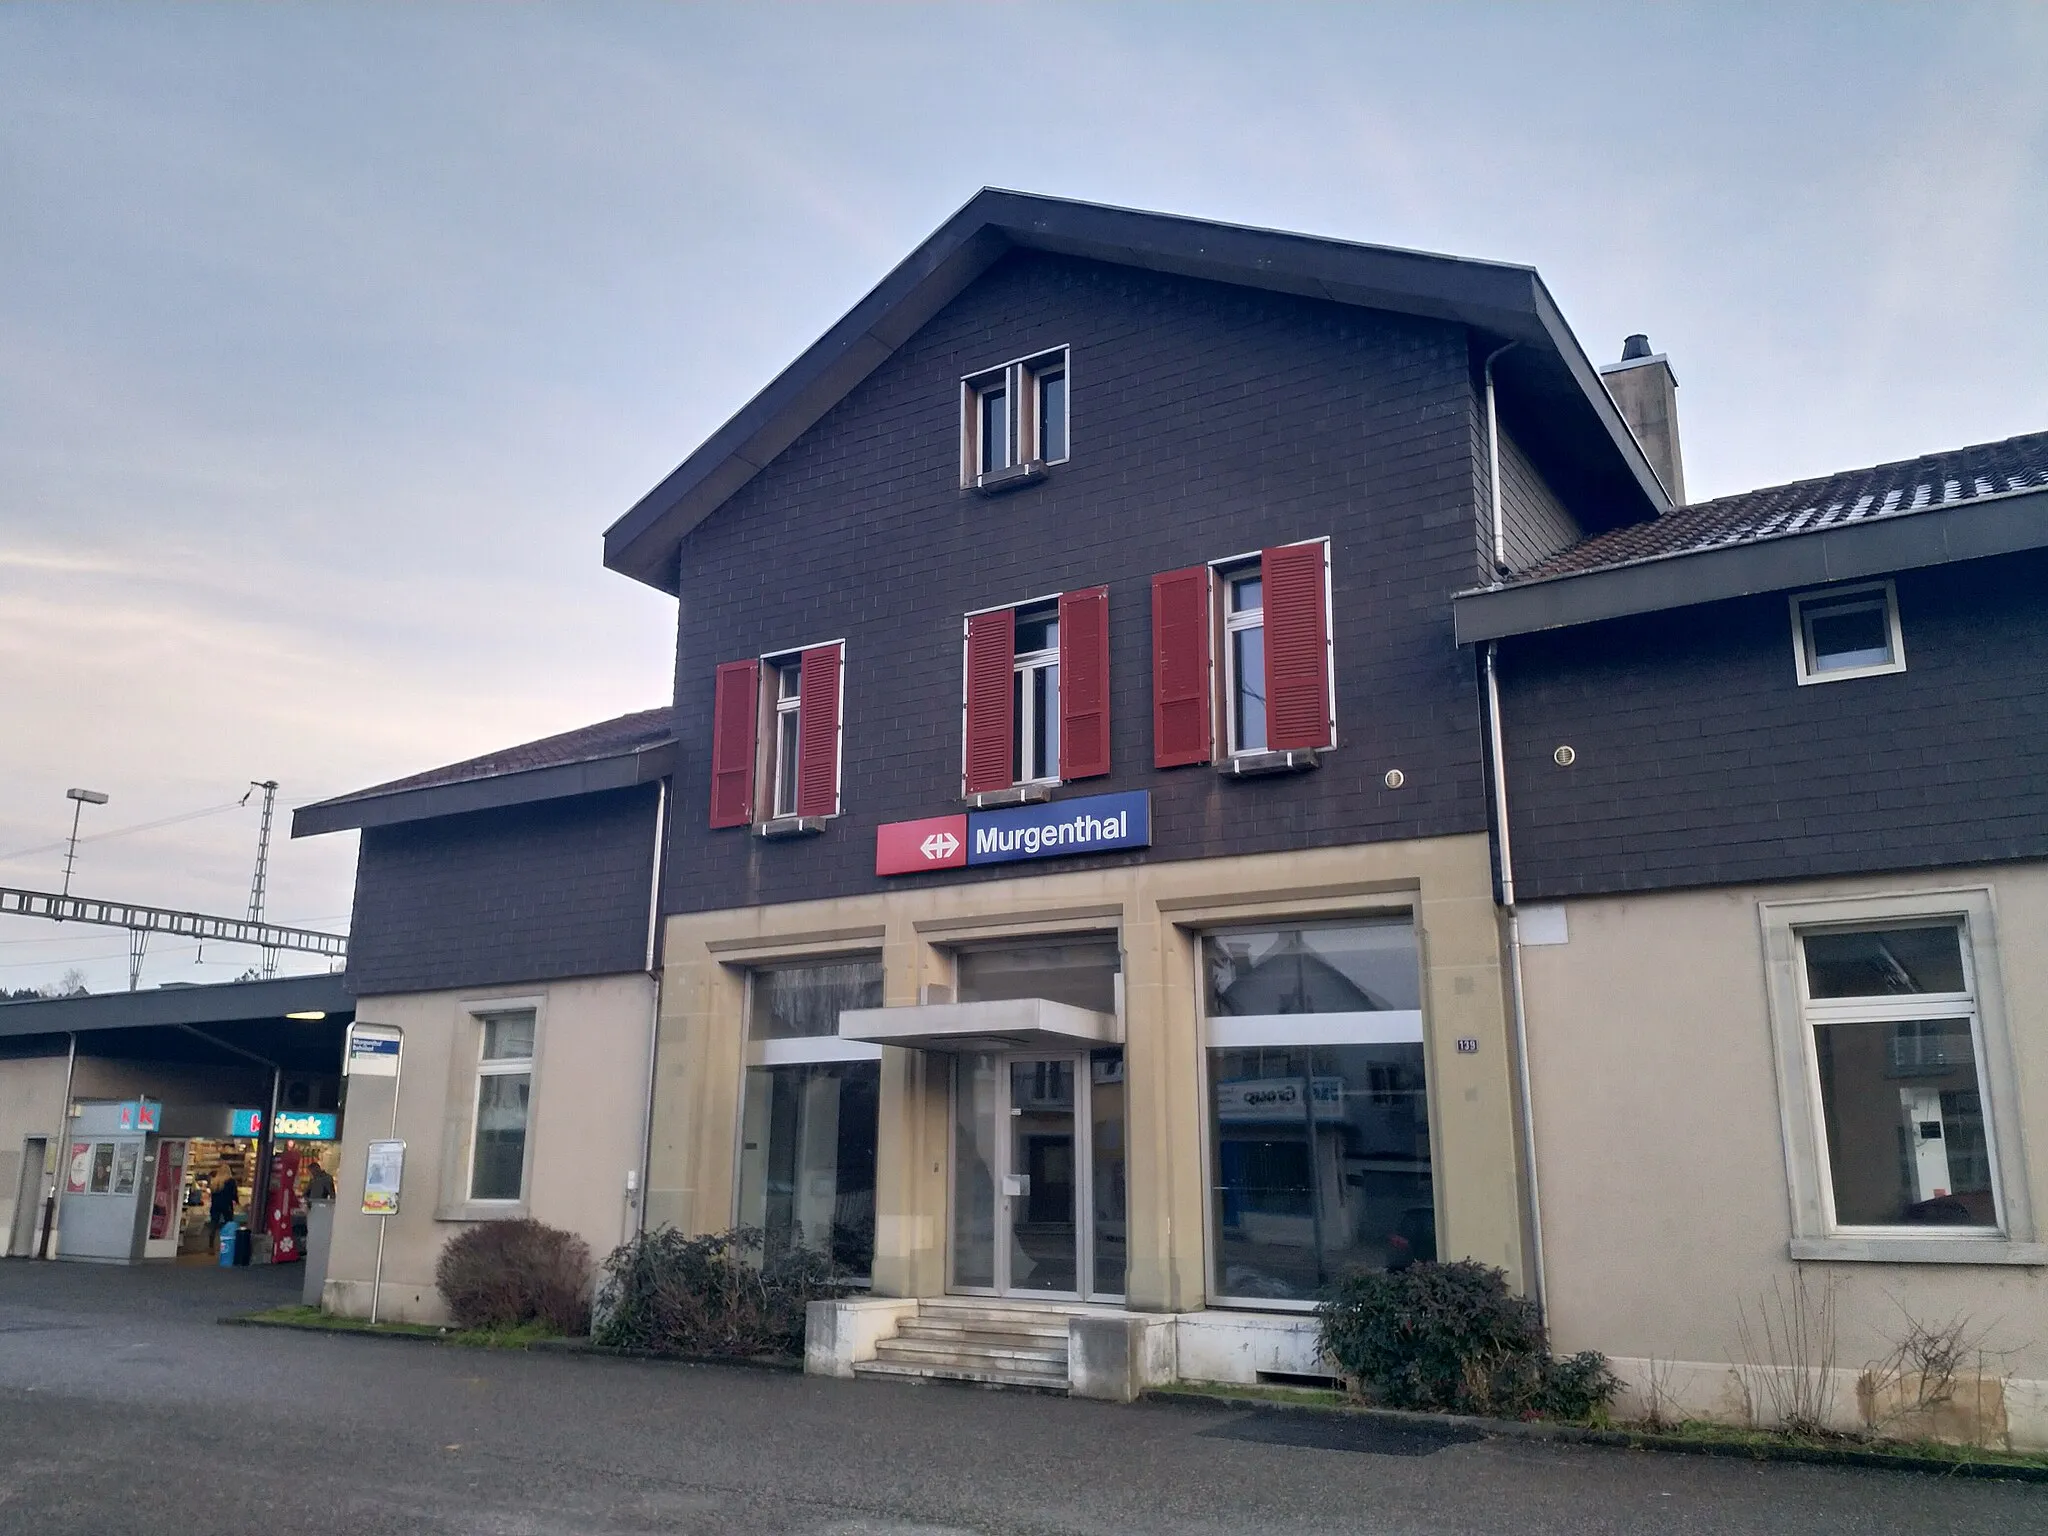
501,935
1777,838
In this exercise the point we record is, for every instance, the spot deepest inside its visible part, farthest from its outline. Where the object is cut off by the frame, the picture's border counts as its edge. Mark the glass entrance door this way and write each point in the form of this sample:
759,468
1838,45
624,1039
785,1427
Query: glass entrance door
1025,1214
1041,1184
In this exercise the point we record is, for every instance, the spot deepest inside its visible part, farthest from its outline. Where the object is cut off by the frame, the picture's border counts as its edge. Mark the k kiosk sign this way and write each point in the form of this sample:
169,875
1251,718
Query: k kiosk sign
1060,829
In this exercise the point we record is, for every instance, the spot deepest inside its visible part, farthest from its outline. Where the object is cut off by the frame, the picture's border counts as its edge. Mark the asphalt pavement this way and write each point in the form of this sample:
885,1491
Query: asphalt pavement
125,1407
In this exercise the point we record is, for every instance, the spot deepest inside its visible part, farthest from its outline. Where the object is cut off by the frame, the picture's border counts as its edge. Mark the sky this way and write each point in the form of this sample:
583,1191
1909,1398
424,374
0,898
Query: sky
333,336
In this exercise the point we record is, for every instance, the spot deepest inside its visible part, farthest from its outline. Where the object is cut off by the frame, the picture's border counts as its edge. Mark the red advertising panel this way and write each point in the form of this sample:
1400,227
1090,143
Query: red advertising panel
277,1217
170,1184
907,847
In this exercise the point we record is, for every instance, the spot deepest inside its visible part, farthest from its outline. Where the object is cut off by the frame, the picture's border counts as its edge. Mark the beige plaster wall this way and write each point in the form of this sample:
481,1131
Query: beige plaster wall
1666,1204
1159,910
31,1104
587,1107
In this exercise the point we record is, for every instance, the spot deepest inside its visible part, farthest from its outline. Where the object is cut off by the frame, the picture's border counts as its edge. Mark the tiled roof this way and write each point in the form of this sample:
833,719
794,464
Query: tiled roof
587,744
1954,478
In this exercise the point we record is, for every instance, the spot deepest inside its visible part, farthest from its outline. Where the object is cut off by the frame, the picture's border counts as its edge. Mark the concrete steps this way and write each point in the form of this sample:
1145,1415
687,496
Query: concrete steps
986,1343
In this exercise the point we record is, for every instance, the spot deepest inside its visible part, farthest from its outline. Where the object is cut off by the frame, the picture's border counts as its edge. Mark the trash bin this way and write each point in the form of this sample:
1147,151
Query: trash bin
244,1244
230,1234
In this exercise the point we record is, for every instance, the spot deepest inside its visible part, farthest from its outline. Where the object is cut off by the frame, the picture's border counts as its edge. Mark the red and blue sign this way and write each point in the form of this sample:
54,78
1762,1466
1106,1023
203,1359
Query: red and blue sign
137,1115
1056,829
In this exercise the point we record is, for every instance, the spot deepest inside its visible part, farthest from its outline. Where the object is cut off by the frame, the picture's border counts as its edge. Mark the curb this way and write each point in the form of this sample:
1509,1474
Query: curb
557,1346
1622,1439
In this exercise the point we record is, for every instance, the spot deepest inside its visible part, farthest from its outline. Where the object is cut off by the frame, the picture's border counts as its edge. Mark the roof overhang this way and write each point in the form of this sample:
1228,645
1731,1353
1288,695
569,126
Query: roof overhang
1971,530
1024,1023
1547,372
496,792
225,1023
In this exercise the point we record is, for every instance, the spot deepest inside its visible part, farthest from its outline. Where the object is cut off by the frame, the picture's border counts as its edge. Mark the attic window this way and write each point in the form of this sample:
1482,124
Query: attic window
1847,632
1013,421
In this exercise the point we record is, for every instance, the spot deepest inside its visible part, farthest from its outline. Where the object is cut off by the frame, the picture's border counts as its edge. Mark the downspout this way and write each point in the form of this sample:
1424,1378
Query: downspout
638,1197
1498,760
52,1204
1500,537
1497,753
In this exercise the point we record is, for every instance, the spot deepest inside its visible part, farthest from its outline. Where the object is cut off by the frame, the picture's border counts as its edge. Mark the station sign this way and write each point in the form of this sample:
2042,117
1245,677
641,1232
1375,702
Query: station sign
1056,829
373,1051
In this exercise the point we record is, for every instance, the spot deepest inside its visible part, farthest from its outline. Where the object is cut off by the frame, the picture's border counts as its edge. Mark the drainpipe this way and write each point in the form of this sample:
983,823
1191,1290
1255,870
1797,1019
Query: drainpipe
1497,756
1500,540
62,1145
1498,761
637,1220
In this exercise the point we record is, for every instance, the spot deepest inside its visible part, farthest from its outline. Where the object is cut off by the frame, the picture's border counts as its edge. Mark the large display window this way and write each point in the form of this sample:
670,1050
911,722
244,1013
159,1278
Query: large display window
1318,1107
808,1121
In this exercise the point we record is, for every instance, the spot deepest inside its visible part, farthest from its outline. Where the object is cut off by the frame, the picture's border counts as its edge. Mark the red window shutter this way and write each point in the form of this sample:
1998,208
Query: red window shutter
991,730
1084,683
735,718
1297,646
1181,706
817,733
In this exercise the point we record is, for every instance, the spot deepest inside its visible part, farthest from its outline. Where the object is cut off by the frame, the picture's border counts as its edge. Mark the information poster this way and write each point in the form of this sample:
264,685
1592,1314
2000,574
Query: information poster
81,1168
382,1177
127,1157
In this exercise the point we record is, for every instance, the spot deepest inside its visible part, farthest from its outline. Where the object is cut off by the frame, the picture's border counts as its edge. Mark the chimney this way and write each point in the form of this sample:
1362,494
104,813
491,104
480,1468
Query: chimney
1646,390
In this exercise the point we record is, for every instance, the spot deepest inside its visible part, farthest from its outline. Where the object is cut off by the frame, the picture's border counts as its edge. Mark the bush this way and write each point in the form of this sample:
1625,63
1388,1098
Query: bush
1453,1338
711,1295
500,1274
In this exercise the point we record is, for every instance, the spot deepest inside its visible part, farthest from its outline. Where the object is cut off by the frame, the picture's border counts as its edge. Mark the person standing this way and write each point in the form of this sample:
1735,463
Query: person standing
319,1183
226,1196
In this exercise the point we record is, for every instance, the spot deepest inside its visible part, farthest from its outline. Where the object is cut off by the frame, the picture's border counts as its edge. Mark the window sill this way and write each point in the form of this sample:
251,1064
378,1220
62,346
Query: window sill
1919,1250
482,1210
997,481
1248,765
1016,794
791,826
1850,674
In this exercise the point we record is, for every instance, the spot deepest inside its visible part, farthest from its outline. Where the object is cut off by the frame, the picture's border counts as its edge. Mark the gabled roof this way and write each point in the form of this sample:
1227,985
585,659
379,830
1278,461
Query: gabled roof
1547,374
1964,504
612,754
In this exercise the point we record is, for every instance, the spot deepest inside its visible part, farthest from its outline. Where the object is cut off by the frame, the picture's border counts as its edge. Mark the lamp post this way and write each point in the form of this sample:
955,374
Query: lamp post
80,799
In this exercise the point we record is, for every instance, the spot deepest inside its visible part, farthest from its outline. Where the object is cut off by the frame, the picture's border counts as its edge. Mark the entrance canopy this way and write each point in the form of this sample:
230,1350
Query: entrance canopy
1016,1023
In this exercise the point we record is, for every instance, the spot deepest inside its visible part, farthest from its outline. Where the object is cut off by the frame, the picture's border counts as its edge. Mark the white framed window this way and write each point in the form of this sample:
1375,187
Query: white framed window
503,1104
1244,659
1897,1080
1846,632
1035,696
1318,1122
1013,417
786,673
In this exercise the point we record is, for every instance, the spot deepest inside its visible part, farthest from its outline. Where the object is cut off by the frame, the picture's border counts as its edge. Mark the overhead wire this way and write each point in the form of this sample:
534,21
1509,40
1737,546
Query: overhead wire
142,826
